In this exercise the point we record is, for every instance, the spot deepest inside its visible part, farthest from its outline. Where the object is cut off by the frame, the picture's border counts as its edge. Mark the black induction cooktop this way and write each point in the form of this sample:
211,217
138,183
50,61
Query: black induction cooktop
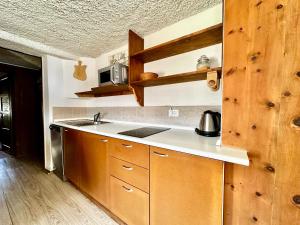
144,131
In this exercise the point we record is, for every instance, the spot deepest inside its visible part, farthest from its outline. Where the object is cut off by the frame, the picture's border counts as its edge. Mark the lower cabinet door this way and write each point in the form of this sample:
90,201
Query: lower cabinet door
94,167
72,161
184,189
129,203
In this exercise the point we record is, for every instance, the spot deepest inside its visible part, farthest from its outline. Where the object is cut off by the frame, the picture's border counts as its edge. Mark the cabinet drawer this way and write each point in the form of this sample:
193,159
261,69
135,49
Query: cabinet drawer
130,173
128,203
131,152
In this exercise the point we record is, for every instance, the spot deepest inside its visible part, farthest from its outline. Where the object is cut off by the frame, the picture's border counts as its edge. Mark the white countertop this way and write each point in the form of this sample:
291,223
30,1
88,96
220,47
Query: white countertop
178,139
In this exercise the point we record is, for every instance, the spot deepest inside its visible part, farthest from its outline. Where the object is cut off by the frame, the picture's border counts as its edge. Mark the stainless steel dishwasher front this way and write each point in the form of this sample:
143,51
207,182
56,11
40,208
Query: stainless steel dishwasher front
57,150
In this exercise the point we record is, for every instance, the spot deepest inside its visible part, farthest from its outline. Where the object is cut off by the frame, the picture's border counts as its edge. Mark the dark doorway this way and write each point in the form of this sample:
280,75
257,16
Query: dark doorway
21,105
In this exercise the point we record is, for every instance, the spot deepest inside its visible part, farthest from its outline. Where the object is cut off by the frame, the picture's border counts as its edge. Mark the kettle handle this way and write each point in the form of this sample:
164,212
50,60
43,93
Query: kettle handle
217,120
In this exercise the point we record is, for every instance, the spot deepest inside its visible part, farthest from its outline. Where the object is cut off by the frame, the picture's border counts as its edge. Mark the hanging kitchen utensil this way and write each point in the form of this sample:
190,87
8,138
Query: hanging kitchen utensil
213,81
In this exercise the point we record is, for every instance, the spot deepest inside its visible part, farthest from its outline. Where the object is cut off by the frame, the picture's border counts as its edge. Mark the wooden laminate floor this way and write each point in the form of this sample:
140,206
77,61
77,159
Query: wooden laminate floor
29,196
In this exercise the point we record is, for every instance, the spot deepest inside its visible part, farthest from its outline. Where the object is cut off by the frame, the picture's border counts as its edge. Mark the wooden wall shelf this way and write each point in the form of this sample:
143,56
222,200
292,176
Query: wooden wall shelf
176,78
201,39
110,90
138,56
85,94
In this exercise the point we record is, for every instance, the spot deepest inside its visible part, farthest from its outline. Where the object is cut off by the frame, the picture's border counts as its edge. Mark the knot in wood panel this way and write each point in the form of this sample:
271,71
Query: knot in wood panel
231,32
270,104
298,74
287,94
253,57
258,194
296,122
231,71
254,219
258,3
270,168
296,199
279,6
253,127
232,187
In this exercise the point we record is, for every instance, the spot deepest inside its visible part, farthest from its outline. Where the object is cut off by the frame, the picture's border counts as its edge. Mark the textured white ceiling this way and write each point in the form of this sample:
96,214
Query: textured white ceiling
91,27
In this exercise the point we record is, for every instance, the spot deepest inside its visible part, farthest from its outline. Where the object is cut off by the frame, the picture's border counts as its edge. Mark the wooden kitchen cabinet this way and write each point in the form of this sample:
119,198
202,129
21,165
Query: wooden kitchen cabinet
94,168
72,149
184,189
129,203
130,173
129,151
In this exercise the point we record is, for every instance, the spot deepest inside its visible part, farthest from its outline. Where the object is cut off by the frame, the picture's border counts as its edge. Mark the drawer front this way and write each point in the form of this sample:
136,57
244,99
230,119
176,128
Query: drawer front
130,173
132,152
128,203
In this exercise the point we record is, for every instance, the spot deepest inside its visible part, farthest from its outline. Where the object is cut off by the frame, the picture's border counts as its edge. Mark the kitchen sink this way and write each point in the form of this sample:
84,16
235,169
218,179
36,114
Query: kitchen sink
81,123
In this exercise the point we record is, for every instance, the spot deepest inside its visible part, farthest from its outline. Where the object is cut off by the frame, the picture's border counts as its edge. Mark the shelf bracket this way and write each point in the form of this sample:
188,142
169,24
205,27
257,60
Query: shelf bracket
139,94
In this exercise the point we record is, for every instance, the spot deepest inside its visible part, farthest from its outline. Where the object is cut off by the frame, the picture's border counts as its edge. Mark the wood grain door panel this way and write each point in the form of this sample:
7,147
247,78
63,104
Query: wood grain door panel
130,173
94,172
72,162
132,152
184,189
129,203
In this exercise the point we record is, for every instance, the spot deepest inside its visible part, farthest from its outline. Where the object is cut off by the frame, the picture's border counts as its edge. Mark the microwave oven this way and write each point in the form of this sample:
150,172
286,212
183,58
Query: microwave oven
114,74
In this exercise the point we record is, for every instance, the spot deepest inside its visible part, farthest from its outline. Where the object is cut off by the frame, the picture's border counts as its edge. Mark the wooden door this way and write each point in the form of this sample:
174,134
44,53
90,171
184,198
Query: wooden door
72,150
5,115
184,189
94,174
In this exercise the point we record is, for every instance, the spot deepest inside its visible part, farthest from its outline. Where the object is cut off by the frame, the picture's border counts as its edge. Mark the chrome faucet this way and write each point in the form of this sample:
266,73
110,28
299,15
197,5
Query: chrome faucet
97,118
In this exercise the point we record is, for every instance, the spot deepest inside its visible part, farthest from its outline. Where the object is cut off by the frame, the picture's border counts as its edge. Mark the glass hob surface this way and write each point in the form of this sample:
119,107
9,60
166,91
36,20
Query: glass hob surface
144,131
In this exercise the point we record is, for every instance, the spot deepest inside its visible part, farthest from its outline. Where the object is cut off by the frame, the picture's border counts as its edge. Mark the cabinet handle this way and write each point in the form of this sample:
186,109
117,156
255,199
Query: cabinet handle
160,154
103,140
127,167
127,189
127,146
66,130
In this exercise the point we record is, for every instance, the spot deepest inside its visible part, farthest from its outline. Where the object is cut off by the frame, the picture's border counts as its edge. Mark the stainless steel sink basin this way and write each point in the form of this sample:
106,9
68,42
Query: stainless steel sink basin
81,123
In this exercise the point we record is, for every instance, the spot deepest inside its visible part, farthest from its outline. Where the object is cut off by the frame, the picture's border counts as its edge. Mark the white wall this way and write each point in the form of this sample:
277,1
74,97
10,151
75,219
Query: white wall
192,93
60,86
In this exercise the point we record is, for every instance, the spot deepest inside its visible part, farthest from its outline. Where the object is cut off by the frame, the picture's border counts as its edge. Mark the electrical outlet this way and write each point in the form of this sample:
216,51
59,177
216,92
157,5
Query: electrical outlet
173,113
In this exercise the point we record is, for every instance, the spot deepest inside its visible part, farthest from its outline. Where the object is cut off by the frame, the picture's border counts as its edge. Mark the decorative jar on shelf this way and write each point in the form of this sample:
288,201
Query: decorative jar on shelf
203,63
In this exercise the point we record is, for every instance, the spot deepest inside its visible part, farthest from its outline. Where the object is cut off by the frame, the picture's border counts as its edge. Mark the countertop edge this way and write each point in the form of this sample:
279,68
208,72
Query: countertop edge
243,160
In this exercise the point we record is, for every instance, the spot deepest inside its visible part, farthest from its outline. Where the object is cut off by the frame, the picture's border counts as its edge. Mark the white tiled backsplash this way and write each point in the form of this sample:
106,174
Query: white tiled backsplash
188,115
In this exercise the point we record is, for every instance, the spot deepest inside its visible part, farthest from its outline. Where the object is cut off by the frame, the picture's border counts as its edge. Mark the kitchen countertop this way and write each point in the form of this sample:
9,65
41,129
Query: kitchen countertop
178,139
